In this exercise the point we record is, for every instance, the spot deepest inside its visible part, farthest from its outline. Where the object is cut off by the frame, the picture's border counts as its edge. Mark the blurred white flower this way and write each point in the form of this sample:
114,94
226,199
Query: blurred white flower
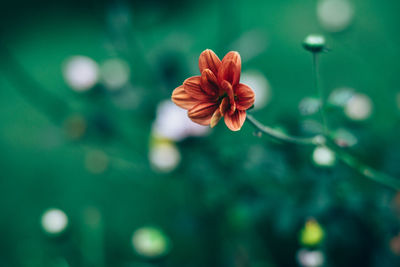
164,156
359,107
81,73
259,83
323,156
308,258
115,73
335,15
54,221
340,96
173,123
309,105
345,138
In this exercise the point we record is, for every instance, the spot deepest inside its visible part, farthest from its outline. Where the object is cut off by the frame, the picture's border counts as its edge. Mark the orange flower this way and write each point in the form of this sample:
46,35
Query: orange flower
216,93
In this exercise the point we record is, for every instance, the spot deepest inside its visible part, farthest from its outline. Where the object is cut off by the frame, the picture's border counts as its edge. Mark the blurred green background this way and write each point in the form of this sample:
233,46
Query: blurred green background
98,168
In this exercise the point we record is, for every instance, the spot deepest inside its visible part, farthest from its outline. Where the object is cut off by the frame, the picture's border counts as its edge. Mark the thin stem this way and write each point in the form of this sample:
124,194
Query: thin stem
315,70
364,169
342,155
279,136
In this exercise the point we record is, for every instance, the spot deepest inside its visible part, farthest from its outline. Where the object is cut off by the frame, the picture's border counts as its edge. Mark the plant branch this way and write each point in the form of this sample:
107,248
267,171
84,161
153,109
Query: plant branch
364,169
321,95
282,137
342,155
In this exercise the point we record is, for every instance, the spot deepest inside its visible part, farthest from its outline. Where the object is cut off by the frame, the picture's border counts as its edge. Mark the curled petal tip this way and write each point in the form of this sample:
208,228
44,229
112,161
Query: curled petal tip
209,60
234,55
235,121
227,87
230,68
209,82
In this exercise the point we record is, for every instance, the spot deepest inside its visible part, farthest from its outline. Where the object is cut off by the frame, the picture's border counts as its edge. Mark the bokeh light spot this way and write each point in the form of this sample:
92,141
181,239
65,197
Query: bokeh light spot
395,245
115,73
309,105
309,258
96,161
260,85
340,96
54,221
164,156
75,126
323,156
81,73
150,242
173,123
335,15
312,233
344,138
359,107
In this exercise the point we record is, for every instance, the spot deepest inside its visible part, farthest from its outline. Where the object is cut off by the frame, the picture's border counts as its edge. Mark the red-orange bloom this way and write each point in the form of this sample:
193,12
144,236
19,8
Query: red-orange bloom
216,93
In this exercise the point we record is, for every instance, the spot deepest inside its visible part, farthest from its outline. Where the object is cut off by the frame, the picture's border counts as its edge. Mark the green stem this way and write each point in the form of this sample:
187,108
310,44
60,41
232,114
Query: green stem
342,155
318,88
279,136
364,169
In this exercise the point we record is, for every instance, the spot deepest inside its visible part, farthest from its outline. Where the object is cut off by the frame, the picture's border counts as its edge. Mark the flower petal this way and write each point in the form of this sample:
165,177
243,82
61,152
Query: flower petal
183,99
209,60
244,97
202,112
224,106
209,83
215,118
192,86
230,68
236,120
227,87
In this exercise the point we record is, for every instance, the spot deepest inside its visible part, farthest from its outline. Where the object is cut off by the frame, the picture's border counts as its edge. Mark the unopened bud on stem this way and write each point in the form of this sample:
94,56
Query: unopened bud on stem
314,43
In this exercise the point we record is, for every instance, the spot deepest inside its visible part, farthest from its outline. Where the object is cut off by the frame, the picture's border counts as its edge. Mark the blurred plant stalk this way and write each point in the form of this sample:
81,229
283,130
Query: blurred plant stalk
316,44
321,140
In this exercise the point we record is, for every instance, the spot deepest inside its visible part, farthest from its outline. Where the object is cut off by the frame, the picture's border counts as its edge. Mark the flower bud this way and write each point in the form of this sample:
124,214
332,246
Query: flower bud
314,43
